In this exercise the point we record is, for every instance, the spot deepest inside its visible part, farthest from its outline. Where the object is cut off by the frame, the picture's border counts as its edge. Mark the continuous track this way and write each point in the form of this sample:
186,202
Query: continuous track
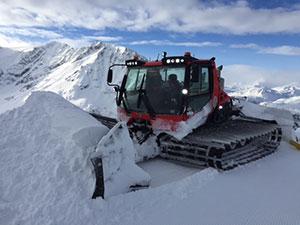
224,146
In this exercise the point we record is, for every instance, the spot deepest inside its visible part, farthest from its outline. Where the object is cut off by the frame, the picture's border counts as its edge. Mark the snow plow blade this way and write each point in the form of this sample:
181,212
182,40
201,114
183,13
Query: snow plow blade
115,166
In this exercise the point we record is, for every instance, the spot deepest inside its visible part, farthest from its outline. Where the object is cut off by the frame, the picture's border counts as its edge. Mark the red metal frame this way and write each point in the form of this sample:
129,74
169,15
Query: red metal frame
171,122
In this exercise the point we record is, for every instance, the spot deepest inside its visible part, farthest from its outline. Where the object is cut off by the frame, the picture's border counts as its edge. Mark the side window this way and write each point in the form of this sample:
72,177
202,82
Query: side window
134,79
199,91
202,85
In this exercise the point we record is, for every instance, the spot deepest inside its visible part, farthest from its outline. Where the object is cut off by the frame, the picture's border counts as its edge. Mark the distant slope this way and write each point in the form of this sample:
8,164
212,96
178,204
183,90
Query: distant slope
287,96
78,74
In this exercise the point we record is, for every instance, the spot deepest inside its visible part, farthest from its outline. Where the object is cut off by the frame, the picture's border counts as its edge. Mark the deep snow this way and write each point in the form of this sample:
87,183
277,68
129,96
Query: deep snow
45,170
46,178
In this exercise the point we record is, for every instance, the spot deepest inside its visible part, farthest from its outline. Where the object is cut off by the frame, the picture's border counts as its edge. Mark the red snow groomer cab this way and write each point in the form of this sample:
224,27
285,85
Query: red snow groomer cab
161,94
181,100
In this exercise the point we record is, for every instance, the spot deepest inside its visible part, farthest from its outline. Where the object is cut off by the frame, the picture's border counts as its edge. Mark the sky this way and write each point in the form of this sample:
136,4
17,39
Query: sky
255,40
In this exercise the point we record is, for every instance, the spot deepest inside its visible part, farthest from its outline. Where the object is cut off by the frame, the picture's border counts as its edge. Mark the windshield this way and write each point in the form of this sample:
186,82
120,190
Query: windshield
162,88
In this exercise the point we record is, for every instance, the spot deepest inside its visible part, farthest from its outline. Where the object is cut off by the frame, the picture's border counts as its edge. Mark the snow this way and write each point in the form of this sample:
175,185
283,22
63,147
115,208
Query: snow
46,145
296,135
292,103
77,74
282,97
283,117
186,127
117,152
264,192
171,171
46,177
45,169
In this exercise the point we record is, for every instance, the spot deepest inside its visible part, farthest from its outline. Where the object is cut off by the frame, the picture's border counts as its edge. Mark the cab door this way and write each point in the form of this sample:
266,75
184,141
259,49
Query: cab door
199,90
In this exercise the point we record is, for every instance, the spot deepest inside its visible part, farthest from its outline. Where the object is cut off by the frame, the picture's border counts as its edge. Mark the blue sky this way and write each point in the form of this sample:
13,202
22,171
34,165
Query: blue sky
248,36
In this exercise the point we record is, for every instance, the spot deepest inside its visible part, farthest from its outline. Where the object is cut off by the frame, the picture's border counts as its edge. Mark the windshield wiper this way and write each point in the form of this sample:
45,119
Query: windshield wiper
143,97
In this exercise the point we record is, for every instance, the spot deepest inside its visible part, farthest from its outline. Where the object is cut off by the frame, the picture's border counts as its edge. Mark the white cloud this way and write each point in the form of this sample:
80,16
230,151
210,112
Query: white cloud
29,32
15,43
172,43
103,38
249,46
80,42
178,16
287,50
240,74
282,50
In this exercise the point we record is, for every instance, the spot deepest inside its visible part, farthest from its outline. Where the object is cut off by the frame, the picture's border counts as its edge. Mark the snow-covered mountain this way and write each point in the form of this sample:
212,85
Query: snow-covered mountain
78,74
287,96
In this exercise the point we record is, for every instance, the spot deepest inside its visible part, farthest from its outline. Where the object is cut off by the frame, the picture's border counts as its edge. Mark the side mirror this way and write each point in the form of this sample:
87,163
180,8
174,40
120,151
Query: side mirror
219,69
109,76
195,73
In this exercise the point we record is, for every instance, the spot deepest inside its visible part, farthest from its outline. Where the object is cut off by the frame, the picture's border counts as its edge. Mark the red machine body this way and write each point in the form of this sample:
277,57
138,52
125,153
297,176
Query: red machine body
218,102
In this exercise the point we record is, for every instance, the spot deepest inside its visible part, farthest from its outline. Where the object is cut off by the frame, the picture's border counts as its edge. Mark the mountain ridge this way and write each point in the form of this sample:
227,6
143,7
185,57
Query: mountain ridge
78,74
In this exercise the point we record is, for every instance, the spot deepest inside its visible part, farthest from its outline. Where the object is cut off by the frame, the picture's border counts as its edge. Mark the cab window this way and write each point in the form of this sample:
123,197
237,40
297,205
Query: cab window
199,94
202,85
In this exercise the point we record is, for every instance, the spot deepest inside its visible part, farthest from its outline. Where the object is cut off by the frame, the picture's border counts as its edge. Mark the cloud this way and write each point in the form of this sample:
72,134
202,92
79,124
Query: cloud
249,46
22,36
103,38
15,43
172,43
178,16
282,50
29,32
240,74
287,50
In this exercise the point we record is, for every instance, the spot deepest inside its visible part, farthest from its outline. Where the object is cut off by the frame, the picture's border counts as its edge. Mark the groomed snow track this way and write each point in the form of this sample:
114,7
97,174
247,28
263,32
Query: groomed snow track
223,146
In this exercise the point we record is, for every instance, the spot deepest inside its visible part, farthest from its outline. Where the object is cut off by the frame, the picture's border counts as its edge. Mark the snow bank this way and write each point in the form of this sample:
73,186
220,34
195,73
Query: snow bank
283,117
46,177
296,135
118,159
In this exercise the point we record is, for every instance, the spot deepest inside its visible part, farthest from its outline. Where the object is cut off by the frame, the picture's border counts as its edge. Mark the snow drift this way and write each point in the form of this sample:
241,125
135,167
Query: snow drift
46,176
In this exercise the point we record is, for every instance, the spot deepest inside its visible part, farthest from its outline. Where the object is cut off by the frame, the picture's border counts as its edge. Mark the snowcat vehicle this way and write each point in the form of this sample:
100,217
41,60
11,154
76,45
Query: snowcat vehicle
181,101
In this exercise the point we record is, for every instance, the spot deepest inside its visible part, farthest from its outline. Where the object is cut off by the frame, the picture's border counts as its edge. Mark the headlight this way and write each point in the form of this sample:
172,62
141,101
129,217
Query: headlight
184,91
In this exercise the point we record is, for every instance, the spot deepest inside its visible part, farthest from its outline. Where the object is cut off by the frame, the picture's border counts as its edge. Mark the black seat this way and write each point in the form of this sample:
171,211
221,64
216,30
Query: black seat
154,90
